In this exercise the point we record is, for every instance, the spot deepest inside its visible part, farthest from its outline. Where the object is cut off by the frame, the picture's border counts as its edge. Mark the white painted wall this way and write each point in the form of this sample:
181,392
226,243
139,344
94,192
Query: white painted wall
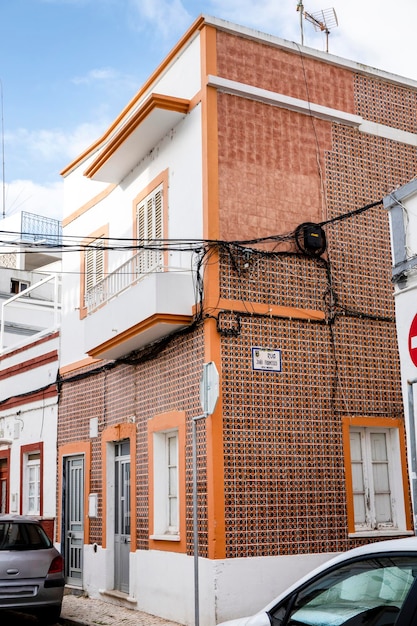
162,583
32,423
179,152
35,378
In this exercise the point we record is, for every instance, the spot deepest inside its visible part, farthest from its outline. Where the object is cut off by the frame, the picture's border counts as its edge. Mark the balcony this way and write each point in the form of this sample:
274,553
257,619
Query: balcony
137,304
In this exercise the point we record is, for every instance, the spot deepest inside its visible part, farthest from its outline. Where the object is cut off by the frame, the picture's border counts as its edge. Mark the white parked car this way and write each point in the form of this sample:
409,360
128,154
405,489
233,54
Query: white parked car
374,585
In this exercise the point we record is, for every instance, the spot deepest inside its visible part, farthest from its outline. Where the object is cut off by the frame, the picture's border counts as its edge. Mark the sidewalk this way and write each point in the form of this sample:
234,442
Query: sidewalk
77,610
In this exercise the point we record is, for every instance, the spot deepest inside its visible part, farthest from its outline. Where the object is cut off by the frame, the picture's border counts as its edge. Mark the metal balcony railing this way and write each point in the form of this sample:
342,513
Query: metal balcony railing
39,228
53,305
126,275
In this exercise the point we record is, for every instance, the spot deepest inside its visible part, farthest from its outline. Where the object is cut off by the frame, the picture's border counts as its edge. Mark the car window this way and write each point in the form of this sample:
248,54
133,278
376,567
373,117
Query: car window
21,536
369,591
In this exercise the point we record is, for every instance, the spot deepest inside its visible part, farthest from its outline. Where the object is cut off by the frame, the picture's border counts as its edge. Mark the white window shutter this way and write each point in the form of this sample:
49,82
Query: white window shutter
380,475
149,228
358,478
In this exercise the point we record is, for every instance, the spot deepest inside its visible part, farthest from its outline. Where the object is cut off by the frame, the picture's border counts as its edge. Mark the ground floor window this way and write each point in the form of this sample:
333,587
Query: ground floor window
31,479
166,437
375,469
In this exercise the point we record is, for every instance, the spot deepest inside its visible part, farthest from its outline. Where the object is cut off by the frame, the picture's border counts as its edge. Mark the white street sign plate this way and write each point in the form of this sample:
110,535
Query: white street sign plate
266,360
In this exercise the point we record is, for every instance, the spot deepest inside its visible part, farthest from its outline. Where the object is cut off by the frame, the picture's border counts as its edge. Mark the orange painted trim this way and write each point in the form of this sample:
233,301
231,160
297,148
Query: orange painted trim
102,232
77,365
195,100
212,347
172,420
37,396
74,449
191,32
29,346
158,318
366,422
30,364
114,434
274,310
88,205
155,101
24,450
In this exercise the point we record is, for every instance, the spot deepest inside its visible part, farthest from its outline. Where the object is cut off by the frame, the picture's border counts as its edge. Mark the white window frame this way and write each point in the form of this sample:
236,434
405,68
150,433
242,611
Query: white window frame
166,485
18,286
365,478
32,461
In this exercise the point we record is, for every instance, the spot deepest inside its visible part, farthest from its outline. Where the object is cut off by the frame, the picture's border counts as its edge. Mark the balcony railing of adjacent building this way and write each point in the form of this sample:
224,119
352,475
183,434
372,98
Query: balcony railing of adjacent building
129,273
53,306
39,228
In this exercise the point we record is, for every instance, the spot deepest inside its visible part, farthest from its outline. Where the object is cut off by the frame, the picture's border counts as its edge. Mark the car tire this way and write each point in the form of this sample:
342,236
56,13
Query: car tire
49,615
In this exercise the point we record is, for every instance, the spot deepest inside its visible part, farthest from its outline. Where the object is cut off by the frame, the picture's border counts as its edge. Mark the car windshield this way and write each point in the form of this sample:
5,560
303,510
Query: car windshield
23,536
361,592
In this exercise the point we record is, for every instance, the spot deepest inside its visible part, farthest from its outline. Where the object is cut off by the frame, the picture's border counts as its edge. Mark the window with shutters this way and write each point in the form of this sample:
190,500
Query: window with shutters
149,227
93,268
377,496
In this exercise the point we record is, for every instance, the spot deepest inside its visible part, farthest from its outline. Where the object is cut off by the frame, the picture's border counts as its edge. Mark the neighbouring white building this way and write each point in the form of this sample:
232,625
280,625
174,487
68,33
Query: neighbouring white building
402,206
30,266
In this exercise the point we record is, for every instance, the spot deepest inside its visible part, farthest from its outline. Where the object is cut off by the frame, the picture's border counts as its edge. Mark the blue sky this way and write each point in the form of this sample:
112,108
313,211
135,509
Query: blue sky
68,67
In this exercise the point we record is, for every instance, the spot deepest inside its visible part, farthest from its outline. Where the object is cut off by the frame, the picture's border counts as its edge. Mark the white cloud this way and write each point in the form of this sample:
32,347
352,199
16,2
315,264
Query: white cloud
96,75
164,15
25,195
42,148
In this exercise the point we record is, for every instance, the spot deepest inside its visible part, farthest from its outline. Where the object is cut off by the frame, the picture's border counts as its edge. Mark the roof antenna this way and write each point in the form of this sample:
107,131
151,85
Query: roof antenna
322,20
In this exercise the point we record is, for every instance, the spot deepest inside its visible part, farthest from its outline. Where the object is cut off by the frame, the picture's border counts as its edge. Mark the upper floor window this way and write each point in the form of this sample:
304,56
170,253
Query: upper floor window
17,286
94,264
149,227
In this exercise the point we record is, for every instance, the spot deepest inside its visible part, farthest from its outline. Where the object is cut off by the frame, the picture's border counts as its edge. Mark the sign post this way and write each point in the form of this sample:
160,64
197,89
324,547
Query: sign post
209,393
412,341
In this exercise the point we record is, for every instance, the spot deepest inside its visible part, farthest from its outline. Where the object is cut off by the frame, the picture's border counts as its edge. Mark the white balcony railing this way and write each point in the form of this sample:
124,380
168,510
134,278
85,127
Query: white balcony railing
34,308
126,275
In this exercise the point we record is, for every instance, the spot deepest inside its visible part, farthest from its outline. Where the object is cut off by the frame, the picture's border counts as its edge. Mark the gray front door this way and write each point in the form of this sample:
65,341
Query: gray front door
74,519
122,516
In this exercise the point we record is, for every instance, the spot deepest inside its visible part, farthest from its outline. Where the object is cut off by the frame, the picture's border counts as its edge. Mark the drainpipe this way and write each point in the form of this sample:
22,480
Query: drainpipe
412,426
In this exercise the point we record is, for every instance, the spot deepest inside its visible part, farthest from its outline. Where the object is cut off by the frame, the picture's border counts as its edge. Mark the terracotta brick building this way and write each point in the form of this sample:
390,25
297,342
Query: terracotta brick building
233,211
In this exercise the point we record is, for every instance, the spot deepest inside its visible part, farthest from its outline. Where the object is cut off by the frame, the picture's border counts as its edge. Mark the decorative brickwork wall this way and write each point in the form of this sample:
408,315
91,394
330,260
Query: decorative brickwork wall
284,471
169,381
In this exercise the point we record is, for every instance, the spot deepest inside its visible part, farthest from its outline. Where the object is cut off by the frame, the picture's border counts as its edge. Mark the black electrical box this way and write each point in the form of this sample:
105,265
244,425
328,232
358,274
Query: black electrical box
311,238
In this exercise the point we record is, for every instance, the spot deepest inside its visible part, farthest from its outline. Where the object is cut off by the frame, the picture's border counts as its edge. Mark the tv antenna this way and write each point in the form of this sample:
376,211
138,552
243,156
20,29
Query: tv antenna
322,21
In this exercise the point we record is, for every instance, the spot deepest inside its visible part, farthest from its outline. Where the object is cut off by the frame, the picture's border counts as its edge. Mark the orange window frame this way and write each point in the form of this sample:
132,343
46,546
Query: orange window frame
172,420
370,422
100,233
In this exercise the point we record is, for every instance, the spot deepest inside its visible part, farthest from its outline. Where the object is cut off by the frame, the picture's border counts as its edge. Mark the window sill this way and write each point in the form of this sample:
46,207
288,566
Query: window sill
381,533
165,537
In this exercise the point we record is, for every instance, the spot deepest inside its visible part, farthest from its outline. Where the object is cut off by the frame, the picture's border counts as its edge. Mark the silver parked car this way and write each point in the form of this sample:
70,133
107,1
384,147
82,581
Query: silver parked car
31,569
374,585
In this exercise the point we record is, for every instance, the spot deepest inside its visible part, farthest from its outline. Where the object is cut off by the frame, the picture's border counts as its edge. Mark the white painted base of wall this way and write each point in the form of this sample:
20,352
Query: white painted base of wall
162,583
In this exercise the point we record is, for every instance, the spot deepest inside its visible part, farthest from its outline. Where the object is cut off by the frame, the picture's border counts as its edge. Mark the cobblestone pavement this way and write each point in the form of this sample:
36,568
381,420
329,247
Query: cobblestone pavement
77,610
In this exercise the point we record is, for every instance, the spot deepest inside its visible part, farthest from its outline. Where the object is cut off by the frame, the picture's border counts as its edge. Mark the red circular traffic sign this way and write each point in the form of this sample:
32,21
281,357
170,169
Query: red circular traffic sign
412,341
